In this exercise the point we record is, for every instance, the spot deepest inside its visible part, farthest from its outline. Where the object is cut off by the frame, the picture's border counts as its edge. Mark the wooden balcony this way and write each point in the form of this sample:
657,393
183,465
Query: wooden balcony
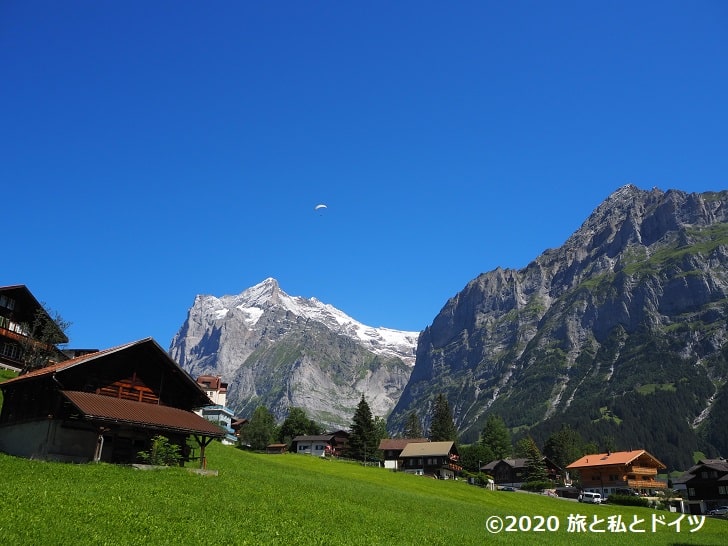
4,332
646,484
642,470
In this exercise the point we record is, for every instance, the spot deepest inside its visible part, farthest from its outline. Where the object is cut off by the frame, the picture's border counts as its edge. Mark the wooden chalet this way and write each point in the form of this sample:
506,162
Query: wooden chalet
391,449
514,472
705,485
105,406
18,312
507,471
606,472
437,459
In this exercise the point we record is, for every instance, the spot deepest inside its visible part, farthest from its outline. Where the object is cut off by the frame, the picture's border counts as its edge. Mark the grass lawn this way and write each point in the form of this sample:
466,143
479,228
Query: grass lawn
291,499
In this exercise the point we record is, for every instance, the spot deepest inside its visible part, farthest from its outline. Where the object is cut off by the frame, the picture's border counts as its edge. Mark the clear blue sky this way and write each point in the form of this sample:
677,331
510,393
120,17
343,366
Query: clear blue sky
152,151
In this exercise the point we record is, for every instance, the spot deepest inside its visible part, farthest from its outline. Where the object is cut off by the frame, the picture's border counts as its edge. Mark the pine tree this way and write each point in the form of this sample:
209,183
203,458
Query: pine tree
536,471
412,428
442,427
495,436
362,440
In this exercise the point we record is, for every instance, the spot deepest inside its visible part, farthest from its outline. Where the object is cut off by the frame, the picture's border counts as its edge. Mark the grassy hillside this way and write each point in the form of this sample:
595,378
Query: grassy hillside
285,499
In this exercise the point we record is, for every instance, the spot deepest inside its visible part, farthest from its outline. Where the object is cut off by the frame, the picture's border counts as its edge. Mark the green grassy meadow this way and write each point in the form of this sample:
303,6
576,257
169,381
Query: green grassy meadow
289,499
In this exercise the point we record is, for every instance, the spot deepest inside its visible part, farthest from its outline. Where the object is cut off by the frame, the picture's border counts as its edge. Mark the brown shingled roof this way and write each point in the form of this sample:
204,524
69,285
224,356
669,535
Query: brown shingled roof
427,449
96,407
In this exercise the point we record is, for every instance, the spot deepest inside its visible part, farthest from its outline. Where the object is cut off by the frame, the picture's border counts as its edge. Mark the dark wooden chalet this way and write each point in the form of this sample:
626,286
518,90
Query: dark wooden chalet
104,406
438,459
507,471
391,449
514,472
705,485
18,312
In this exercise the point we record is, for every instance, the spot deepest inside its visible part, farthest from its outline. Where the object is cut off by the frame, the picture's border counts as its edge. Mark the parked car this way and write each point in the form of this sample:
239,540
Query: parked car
507,488
590,498
719,511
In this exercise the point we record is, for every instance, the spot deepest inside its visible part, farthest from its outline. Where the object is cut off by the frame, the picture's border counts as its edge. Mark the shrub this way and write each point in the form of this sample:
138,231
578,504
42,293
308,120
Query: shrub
161,453
478,478
537,485
628,500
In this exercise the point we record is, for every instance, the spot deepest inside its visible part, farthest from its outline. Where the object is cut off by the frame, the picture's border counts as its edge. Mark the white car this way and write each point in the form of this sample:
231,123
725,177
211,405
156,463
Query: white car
590,498
719,511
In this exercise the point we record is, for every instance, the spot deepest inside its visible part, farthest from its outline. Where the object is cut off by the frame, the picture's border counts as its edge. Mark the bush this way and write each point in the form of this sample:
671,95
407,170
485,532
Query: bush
162,453
628,500
478,478
537,486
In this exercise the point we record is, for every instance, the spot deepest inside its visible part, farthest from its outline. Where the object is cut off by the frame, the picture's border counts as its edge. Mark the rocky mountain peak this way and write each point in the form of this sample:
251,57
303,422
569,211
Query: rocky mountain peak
291,351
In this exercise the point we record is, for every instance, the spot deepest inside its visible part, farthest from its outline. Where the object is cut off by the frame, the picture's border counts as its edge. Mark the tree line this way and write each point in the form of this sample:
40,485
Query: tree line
366,432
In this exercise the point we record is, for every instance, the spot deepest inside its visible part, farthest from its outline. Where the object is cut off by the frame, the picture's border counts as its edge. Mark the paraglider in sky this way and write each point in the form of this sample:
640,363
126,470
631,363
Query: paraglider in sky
320,206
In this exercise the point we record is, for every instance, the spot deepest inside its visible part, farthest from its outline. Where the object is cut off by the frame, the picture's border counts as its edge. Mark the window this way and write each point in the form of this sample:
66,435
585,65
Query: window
7,302
691,491
10,350
723,489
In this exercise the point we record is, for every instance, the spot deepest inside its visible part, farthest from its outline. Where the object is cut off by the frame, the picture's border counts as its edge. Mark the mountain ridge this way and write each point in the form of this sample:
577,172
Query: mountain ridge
647,266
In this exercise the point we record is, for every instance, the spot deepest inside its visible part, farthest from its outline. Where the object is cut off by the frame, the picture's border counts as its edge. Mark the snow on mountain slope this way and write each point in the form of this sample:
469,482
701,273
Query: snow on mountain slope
255,300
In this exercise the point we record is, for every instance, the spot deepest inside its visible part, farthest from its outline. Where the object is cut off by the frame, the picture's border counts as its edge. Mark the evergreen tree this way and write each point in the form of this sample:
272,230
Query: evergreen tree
442,427
496,436
363,441
260,431
297,424
522,447
536,471
413,428
564,446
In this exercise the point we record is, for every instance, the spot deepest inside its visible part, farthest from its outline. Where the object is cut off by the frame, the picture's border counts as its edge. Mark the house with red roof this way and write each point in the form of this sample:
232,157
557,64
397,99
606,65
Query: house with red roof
104,406
606,472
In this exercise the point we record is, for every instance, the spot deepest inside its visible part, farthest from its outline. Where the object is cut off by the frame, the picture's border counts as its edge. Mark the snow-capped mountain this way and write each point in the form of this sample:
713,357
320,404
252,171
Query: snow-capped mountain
285,351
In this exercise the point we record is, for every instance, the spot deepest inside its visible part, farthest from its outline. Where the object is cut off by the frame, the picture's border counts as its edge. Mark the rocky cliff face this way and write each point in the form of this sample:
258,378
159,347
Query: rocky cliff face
281,351
625,320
